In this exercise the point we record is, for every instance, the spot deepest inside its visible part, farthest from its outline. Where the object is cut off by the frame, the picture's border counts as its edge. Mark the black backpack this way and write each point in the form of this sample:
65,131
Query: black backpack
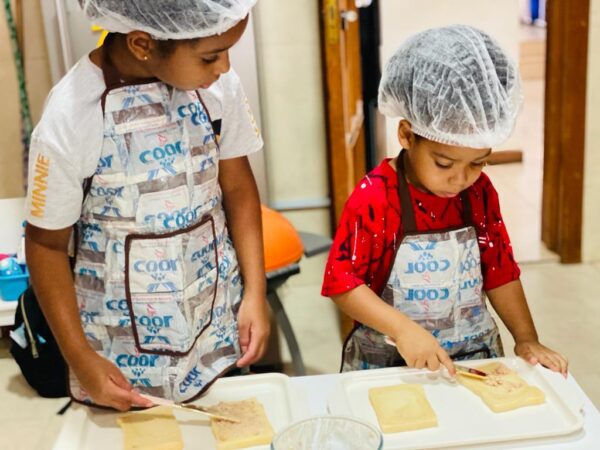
41,362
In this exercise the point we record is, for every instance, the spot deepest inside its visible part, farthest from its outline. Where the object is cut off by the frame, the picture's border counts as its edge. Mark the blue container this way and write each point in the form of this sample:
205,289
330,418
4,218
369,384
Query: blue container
12,286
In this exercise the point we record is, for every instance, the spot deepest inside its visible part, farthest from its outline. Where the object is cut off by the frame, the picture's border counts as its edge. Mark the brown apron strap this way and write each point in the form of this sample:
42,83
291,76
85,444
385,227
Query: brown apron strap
406,206
467,212
409,224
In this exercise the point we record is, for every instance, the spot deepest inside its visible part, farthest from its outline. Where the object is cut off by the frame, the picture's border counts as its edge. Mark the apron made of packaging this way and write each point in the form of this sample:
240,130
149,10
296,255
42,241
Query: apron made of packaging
436,281
156,275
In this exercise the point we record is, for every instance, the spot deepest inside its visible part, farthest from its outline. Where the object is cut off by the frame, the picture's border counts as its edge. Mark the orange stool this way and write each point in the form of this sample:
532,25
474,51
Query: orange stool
282,244
283,249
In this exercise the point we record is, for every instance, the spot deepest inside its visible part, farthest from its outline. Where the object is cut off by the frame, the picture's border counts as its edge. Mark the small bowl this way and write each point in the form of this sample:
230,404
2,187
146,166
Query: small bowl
328,433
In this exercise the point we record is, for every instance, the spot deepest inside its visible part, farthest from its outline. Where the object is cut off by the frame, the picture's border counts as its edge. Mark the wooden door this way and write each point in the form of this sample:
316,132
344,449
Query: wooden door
344,101
564,130
344,107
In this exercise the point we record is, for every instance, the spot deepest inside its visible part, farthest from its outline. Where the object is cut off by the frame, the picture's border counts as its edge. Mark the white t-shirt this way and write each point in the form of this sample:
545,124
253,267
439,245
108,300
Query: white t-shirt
66,144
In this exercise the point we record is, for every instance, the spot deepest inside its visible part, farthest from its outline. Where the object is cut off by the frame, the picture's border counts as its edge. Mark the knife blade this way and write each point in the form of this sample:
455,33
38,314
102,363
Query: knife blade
188,407
471,372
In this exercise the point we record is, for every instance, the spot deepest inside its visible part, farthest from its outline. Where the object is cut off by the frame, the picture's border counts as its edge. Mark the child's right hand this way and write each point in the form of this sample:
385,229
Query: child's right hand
105,383
420,349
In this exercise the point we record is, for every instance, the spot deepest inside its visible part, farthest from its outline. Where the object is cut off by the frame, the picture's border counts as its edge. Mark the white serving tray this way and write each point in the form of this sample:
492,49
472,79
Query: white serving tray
463,418
93,429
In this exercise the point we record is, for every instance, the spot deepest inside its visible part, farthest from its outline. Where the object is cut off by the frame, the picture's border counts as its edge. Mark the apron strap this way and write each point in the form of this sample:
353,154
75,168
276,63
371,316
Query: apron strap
467,211
406,207
406,204
212,124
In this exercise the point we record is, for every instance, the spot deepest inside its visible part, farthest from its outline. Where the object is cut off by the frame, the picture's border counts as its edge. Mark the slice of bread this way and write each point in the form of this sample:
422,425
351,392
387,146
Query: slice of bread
254,427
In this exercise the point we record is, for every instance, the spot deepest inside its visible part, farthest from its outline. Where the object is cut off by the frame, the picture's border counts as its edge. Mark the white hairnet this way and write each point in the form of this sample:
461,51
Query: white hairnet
455,85
168,19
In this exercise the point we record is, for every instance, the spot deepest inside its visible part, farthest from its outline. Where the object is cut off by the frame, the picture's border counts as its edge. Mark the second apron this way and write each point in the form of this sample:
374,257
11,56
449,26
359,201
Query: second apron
436,281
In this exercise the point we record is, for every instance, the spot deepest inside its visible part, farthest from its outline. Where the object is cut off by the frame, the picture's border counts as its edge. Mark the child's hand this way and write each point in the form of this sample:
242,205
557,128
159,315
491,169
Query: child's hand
254,328
105,383
420,349
533,352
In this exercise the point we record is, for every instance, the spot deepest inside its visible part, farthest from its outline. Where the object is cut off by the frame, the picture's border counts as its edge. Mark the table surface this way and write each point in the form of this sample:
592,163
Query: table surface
318,389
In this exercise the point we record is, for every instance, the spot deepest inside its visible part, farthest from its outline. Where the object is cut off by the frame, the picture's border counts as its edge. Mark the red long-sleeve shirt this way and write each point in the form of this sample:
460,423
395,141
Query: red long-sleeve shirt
370,231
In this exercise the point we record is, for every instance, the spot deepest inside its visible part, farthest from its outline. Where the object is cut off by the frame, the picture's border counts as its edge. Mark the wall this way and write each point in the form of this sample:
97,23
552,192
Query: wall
243,59
10,146
403,18
292,108
591,188
38,84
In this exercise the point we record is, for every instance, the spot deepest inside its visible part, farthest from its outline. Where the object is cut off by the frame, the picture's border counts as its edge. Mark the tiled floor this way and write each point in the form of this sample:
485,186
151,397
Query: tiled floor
519,185
27,422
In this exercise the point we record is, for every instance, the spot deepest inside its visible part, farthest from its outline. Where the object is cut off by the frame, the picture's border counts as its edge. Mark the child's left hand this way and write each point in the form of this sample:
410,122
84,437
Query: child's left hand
254,329
533,352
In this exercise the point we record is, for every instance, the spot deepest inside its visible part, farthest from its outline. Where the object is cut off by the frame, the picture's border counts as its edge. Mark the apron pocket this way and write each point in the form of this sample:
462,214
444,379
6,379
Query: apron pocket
160,323
141,369
171,285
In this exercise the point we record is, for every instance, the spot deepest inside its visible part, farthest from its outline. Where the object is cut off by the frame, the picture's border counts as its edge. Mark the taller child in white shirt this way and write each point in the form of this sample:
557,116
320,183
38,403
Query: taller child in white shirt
142,150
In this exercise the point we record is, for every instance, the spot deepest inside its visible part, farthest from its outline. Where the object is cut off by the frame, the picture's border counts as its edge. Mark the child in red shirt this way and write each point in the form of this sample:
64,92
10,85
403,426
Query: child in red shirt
421,241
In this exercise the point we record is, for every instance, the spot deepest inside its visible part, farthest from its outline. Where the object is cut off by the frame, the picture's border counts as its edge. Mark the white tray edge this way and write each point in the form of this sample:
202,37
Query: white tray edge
338,404
70,435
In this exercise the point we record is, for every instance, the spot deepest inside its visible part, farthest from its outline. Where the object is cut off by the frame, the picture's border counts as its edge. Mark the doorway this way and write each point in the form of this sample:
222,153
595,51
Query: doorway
541,195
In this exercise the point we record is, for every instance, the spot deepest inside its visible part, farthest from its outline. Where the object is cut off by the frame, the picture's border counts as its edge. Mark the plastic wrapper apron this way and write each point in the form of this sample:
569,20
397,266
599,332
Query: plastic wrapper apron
436,281
157,280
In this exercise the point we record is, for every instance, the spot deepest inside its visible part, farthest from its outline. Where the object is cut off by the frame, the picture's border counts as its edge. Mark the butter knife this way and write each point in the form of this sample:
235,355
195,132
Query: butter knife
462,370
471,372
188,407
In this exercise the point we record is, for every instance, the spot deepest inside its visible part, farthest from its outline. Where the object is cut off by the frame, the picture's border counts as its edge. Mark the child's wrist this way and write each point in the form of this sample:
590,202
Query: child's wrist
526,337
79,357
255,288
402,326
254,297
